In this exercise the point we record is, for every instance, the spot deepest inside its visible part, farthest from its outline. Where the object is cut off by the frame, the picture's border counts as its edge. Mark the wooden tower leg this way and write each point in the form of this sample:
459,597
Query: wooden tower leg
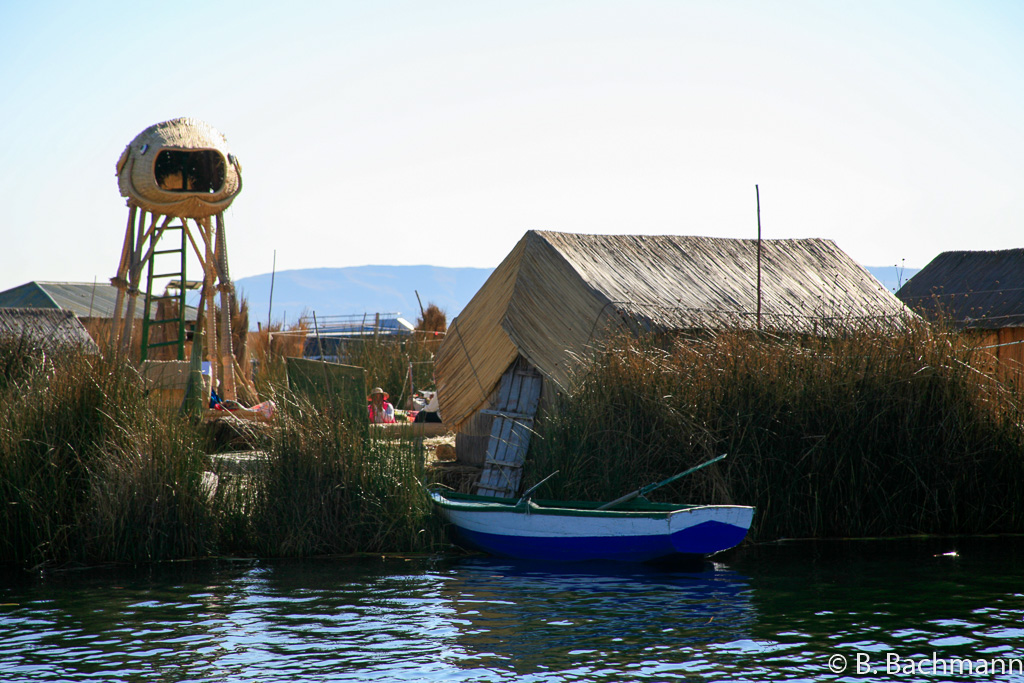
209,303
138,261
120,280
227,356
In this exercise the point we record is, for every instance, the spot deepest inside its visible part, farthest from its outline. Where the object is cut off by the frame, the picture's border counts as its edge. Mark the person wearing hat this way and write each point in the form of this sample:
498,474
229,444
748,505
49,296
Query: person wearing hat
381,412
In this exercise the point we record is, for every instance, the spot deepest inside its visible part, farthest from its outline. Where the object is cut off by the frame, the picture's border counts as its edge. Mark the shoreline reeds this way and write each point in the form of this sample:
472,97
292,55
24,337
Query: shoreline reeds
93,471
863,434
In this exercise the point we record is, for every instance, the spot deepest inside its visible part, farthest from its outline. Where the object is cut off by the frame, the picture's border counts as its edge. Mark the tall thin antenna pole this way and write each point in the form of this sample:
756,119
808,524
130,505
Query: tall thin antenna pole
270,306
93,297
758,191
423,314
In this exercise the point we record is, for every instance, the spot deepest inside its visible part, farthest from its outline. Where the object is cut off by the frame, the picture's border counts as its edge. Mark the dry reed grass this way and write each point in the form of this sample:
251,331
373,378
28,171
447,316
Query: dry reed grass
433,319
867,434
92,471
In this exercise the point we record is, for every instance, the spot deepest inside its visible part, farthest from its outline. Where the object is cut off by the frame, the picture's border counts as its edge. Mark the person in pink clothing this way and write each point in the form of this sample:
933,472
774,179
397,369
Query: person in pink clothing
380,411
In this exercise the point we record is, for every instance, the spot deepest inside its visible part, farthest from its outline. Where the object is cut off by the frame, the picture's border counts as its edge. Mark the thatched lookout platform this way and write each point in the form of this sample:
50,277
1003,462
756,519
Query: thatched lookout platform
180,167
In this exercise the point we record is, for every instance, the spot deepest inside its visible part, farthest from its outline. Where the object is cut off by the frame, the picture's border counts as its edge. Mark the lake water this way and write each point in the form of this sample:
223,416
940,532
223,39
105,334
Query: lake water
779,612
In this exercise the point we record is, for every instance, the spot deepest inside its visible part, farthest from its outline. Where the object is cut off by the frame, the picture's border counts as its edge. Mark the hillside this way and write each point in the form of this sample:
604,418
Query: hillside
360,289
391,289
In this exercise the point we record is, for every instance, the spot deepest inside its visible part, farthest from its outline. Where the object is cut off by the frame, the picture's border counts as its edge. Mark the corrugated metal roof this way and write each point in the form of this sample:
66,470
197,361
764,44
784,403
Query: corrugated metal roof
978,289
28,295
84,299
556,293
49,328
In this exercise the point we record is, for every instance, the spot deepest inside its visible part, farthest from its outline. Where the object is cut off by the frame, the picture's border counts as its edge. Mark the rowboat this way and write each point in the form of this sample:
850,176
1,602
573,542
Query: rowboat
637,530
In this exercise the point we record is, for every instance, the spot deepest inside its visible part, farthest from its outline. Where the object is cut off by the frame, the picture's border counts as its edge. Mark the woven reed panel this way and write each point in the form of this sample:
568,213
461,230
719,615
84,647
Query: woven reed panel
476,350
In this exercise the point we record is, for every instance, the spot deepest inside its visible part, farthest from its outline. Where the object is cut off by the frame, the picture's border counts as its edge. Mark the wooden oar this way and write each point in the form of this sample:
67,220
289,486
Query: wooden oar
526,494
650,487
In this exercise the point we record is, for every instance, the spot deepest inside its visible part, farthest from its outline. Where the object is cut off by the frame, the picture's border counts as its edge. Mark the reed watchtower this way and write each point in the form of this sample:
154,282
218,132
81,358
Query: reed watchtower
178,177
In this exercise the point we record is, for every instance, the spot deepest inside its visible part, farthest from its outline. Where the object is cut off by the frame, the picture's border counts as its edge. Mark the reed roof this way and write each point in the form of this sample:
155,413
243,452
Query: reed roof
975,289
140,171
51,329
557,293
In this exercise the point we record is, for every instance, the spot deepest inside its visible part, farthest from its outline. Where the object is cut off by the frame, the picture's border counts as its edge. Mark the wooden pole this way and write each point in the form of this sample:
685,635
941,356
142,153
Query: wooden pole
120,281
209,303
758,192
270,306
134,277
227,307
423,314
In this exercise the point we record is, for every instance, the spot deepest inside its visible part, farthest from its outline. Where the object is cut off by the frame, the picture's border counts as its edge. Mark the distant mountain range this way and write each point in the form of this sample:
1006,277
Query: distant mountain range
359,289
392,289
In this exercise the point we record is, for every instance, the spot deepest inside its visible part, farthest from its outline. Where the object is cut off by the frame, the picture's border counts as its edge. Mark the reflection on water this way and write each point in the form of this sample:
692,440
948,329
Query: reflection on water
540,618
764,613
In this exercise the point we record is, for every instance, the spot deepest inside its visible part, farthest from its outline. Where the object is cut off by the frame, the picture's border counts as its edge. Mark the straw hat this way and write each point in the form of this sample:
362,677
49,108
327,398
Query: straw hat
375,391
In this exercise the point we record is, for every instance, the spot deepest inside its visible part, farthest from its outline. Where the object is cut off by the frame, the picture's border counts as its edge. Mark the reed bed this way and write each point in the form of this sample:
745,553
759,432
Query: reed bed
867,434
387,363
268,348
92,470
329,486
88,472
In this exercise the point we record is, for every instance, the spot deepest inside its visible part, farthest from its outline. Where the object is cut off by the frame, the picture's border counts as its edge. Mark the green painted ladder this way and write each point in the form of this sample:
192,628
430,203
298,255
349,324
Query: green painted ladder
175,279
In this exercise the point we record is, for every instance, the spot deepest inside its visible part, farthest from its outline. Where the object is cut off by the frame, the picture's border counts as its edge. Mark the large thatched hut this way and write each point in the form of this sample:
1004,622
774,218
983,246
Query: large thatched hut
981,293
556,293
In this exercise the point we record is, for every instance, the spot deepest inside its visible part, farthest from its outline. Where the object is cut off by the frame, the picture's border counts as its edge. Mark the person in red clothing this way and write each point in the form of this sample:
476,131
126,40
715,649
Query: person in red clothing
380,411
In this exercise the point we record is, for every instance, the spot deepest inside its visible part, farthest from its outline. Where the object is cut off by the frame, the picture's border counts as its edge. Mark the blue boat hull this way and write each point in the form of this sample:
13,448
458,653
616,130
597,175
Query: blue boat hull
533,531
705,539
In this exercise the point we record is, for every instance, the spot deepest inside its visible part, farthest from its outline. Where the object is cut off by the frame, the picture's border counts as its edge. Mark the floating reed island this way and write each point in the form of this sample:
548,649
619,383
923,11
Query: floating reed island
863,433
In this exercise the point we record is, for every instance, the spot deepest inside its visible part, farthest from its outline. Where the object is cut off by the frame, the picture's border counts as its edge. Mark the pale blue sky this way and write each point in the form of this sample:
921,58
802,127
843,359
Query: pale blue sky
439,132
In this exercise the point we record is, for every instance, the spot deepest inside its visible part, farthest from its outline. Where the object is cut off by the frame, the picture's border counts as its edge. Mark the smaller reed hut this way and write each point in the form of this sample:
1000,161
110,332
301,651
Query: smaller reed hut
981,293
555,294
50,329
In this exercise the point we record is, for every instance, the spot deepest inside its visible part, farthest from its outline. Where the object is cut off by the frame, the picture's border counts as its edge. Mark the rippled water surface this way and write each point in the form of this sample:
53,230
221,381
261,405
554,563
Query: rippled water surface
776,612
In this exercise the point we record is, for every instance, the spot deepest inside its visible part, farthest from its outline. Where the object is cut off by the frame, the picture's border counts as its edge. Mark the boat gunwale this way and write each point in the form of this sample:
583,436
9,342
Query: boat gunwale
465,502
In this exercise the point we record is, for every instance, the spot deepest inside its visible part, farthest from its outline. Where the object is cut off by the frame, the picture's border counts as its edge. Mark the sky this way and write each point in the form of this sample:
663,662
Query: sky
438,133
